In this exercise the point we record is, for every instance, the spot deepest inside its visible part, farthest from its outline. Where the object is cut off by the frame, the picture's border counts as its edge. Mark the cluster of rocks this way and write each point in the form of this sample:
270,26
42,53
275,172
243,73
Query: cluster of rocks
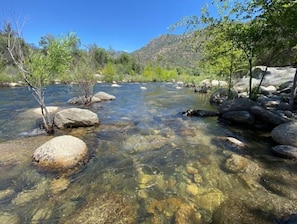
97,97
270,112
205,85
246,112
286,136
66,152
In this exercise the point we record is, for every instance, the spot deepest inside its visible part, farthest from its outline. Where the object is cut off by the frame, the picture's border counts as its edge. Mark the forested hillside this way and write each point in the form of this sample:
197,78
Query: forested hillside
168,51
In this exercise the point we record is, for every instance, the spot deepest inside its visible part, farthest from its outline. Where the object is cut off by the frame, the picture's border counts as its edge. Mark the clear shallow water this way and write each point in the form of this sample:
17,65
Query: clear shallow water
148,164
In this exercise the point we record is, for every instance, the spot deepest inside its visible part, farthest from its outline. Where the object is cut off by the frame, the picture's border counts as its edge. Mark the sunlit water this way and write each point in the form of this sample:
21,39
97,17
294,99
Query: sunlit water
147,164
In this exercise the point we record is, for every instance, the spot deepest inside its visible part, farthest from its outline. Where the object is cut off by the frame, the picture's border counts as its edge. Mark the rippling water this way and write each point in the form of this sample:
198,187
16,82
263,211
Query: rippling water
147,164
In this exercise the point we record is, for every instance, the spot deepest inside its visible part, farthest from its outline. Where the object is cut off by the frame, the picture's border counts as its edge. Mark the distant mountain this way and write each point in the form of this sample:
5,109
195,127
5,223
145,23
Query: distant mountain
168,50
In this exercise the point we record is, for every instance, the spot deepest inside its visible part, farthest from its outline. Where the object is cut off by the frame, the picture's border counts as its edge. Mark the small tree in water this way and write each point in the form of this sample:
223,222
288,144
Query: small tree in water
38,66
84,80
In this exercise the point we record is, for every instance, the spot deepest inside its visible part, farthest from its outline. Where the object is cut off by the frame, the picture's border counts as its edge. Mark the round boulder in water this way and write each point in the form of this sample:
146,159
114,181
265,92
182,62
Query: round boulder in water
59,153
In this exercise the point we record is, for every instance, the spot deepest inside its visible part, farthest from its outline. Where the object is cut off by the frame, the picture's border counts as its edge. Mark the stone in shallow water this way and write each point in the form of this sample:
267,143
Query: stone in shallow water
4,194
192,189
104,96
30,195
75,117
61,152
286,151
209,198
237,163
9,218
106,208
58,185
187,214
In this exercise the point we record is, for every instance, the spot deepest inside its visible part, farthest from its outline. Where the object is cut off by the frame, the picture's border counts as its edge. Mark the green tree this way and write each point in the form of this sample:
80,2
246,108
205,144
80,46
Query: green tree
109,72
148,73
281,17
127,64
37,67
253,27
60,52
100,56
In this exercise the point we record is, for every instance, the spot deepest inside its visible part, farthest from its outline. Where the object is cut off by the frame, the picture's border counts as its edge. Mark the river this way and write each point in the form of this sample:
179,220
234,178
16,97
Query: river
147,163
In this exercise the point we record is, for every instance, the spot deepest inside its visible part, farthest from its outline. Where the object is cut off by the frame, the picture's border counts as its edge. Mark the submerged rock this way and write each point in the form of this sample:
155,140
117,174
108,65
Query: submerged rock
27,196
236,163
187,214
235,211
6,217
106,208
209,198
5,194
286,151
136,143
61,152
58,185
163,209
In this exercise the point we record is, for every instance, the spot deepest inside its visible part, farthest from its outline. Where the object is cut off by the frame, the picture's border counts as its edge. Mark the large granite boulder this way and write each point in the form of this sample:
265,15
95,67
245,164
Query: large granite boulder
59,153
268,117
75,117
285,134
243,117
239,104
274,76
246,111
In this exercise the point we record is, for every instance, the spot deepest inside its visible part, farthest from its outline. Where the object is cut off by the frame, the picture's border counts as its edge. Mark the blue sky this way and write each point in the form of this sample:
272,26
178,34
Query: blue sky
122,25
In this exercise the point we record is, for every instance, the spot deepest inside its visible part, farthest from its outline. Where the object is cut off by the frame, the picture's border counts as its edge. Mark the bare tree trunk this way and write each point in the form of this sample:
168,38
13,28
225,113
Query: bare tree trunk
230,77
15,50
251,78
262,78
293,91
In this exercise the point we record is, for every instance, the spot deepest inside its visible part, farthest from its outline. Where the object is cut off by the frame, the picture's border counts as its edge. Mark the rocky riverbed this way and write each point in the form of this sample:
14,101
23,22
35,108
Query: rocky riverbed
149,164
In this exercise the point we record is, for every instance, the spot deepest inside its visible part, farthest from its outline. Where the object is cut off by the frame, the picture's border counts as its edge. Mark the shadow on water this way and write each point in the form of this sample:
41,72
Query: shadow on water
147,164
